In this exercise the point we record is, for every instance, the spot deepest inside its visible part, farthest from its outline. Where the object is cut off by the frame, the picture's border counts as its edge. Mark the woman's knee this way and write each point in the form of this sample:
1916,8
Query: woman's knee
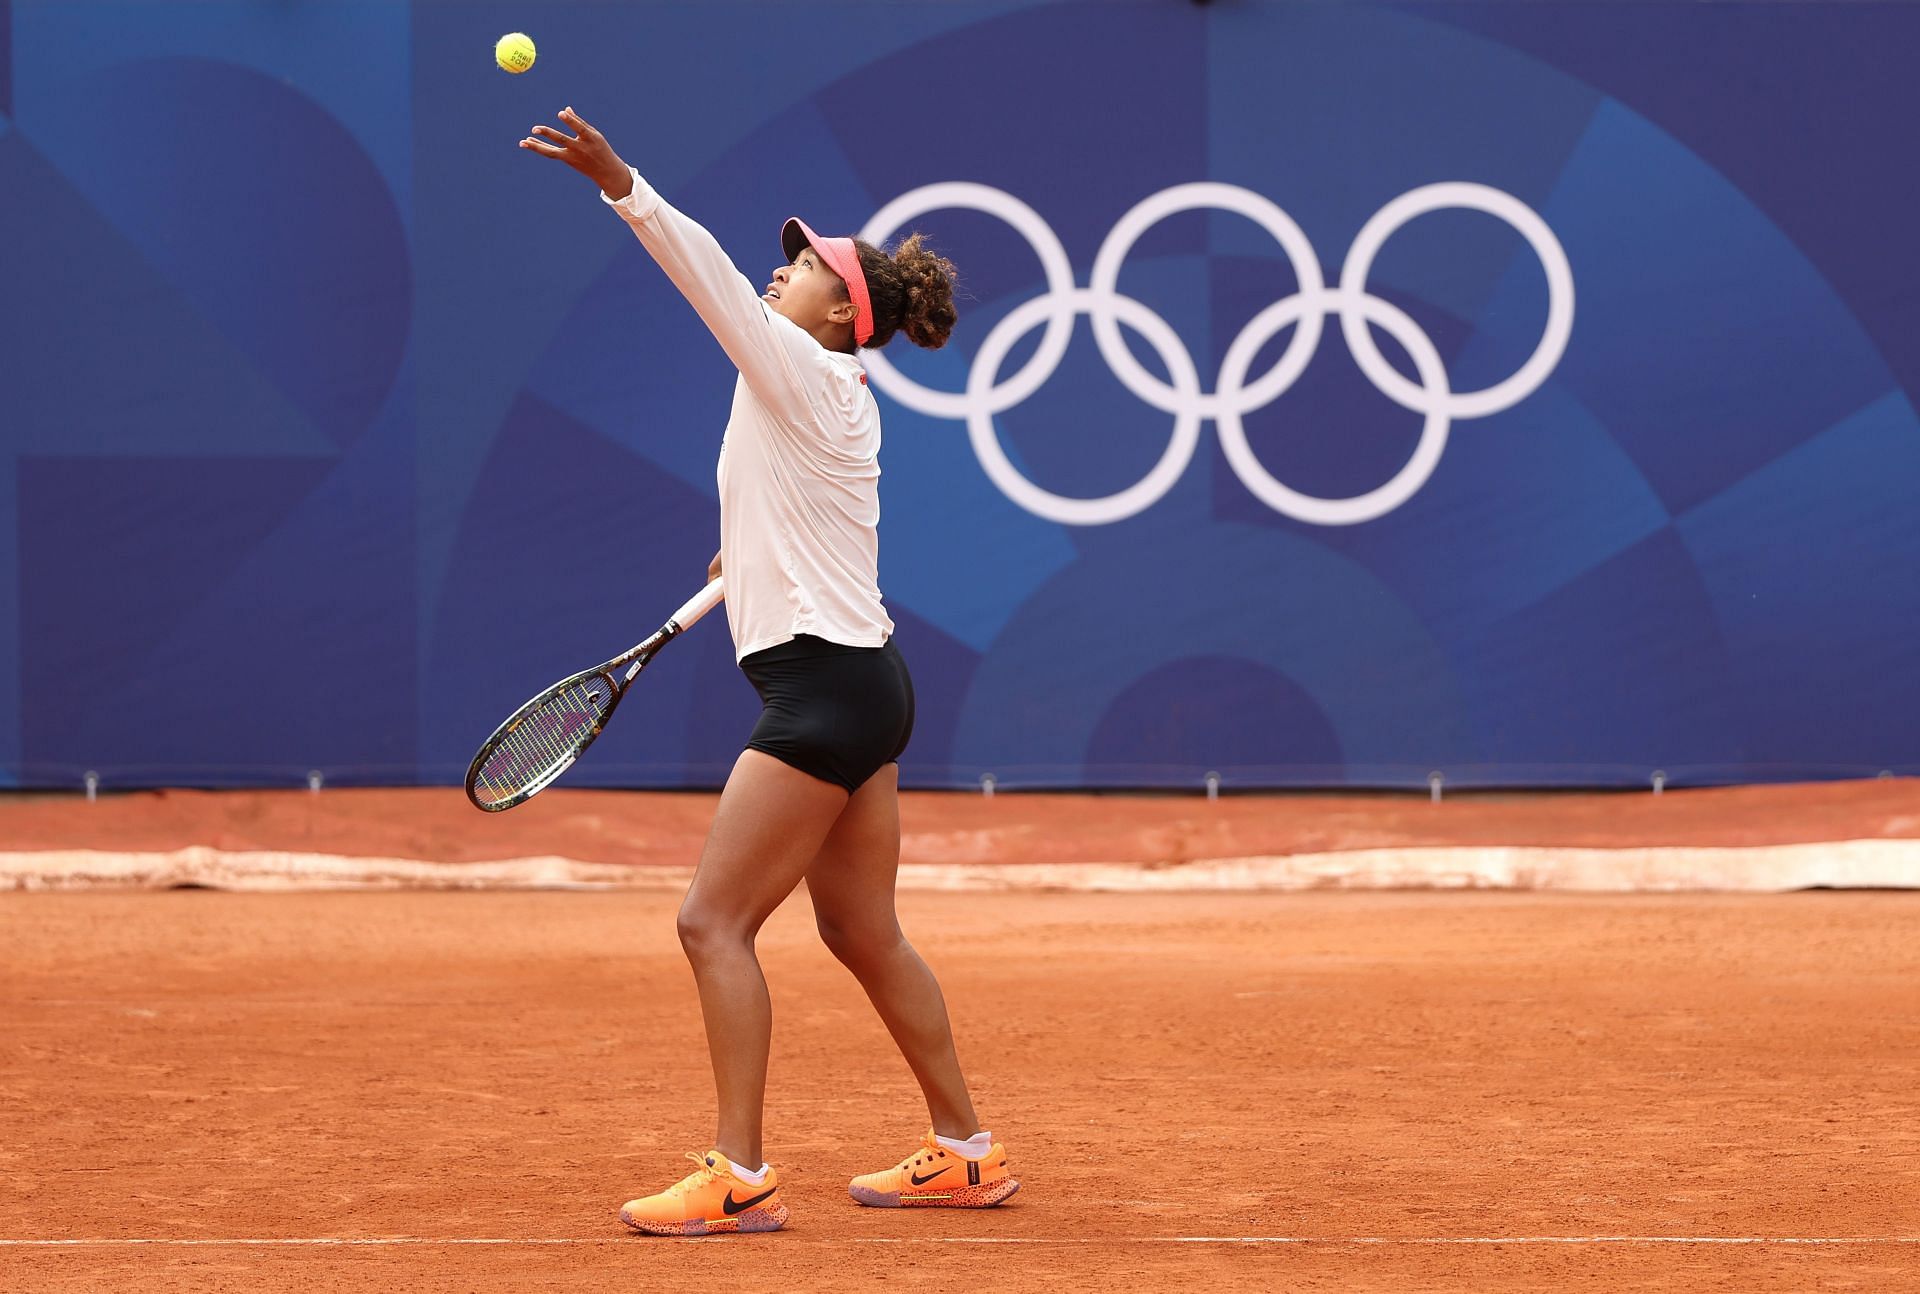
705,932
861,945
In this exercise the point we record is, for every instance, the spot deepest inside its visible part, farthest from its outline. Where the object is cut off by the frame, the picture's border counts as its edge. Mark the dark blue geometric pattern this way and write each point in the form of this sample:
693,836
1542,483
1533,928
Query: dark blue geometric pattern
336,425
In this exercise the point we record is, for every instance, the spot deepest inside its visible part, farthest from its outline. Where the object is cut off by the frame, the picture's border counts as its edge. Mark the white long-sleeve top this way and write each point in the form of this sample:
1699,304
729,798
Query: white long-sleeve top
799,464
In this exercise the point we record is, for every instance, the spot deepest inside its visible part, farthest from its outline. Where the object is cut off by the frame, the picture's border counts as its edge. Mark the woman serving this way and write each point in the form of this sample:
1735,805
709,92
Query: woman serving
815,794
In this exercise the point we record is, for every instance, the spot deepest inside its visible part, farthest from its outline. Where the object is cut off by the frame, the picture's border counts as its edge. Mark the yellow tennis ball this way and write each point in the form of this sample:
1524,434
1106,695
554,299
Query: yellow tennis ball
514,52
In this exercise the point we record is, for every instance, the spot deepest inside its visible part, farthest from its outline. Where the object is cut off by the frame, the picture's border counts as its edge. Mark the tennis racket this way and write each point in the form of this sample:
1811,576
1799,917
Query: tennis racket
541,739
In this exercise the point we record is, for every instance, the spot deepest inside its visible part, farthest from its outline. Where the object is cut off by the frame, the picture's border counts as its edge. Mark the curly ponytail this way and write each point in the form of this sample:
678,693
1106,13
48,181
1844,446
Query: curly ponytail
911,291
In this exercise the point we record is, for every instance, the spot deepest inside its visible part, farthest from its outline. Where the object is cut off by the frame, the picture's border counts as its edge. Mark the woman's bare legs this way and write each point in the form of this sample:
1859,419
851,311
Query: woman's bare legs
851,883
770,825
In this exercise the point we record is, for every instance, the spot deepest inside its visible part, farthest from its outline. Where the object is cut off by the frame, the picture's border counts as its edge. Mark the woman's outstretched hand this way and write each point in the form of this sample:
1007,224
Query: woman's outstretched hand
588,153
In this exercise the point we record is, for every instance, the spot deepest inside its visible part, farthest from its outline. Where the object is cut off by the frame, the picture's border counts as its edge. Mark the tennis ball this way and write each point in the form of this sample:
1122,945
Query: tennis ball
514,52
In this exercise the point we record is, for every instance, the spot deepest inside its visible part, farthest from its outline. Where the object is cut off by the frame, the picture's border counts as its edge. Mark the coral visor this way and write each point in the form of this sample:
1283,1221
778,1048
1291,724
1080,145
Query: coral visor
841,258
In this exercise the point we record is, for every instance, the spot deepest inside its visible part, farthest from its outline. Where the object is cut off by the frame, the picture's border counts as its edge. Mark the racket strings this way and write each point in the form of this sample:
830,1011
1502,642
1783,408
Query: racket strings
544,738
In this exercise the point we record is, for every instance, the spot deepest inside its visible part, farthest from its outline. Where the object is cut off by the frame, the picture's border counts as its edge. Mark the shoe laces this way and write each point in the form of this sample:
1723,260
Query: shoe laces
699,1177
930,1150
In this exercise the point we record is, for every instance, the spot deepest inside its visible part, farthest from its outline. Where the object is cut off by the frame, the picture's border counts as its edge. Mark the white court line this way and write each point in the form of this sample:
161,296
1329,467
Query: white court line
1006,1240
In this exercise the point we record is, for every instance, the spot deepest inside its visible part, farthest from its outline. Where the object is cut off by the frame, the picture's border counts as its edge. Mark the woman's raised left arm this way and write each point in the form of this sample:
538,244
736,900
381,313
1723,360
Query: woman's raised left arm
767,353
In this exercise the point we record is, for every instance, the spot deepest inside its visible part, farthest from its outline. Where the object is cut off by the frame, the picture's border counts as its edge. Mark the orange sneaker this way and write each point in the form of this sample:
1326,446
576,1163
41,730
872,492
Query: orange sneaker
708,1201
935,1177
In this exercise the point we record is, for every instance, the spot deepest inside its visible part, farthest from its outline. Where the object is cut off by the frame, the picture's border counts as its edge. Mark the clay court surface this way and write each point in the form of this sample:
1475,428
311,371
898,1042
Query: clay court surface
665,829
203,1066
1343,1091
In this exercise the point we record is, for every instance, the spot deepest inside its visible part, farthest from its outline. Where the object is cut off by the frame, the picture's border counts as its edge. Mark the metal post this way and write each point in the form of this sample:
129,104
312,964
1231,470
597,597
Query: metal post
1434,781
1213,786
93,786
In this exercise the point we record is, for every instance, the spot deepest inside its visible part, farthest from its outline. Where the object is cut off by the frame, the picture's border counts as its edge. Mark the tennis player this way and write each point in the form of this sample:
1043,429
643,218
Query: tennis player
815,792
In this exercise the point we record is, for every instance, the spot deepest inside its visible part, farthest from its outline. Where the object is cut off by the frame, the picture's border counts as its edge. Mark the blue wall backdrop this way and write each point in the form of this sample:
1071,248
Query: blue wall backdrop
1342,392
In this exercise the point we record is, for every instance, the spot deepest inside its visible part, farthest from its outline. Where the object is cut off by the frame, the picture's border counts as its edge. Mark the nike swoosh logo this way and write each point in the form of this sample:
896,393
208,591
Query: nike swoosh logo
922,1181
733,1206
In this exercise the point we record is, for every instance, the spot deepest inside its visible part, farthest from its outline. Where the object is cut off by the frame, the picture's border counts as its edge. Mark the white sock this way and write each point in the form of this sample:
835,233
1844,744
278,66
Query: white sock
751,1179
974,1147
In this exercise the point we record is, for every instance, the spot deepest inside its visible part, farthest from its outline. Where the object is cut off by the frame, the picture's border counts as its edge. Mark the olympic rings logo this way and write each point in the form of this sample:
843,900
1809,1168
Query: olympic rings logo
1233,396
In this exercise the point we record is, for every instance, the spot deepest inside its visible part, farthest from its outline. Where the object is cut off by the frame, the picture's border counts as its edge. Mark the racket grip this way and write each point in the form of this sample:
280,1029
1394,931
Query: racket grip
699,604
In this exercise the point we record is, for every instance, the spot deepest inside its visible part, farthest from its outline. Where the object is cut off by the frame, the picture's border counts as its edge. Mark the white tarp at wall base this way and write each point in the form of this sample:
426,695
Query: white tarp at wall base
1850,864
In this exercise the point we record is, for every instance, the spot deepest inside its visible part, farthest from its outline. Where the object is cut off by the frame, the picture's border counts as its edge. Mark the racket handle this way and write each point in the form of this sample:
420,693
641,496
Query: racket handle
699,604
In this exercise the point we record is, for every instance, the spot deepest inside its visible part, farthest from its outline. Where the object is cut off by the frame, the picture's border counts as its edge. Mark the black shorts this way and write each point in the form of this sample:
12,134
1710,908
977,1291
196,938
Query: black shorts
834,712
